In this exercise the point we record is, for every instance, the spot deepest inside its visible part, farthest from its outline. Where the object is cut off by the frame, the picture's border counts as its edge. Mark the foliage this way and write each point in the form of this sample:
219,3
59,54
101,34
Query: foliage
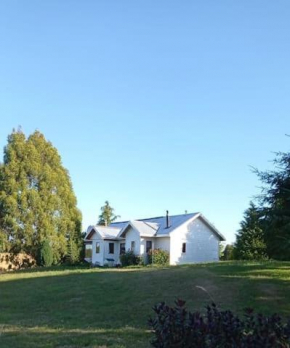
221,250
178,328
228,253
158,257
250,243
107,215
129,259
46,254
275,203
37,202
3,242
74,250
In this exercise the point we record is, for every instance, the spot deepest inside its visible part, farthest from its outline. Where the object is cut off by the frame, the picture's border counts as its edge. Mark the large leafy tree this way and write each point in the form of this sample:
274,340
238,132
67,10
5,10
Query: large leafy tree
107,215
37,202
250,243
275,202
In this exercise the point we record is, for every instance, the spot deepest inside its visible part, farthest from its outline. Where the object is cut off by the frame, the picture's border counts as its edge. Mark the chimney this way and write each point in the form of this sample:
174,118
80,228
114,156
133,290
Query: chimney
167,219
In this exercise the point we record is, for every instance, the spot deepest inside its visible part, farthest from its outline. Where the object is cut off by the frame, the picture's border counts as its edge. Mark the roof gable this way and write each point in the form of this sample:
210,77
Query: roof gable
145,229
91,232
104,232
213,228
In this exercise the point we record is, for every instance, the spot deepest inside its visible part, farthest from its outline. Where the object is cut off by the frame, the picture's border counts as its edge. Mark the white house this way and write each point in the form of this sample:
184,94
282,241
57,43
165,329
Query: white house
189,238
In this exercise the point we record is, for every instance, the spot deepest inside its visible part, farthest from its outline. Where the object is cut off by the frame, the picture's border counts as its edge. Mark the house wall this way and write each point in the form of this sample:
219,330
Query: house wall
116,255
143,241
162,243
202,244
97,258
132,235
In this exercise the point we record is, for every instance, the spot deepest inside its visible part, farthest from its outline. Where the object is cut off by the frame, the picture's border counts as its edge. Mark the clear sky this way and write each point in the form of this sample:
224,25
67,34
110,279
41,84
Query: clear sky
152,105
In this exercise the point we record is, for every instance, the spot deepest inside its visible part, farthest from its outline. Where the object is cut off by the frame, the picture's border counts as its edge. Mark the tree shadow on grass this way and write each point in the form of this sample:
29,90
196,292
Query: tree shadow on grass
97,308
62,338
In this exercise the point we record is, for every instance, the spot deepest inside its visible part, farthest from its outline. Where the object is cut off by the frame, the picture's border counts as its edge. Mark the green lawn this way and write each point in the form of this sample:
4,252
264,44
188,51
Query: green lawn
109,307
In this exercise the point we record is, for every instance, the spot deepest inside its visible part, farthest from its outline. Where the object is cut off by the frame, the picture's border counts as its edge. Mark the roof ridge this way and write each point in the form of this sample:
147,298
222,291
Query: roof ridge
151,218
161,217
147,223
106,226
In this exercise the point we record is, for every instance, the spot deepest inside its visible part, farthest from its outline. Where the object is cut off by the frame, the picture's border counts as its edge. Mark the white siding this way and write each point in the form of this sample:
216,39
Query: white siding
132,235
162,243
116,254
202,244
143,247
98,258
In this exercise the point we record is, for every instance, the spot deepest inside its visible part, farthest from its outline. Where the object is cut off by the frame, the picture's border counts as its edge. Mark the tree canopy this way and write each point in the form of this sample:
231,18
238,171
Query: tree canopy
275,207
250,243
265,230
107,215
37,202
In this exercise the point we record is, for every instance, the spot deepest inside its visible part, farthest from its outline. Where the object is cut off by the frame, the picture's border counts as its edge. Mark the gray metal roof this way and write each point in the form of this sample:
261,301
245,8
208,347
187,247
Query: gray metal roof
106,232
156,226
151,227
145,229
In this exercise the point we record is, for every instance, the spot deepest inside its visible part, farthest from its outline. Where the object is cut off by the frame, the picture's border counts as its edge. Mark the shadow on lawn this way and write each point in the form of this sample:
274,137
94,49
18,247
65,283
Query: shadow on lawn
77,307
59,268
273,269
106,308
47,337
83,302
96,298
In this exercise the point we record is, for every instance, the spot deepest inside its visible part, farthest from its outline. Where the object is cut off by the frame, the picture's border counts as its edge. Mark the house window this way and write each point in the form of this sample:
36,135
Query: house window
111,248
88,251
148,246
184,247
122,248
98,247
133,246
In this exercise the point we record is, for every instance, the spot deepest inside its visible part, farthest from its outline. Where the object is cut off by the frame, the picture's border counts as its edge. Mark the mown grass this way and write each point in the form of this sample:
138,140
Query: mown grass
77,307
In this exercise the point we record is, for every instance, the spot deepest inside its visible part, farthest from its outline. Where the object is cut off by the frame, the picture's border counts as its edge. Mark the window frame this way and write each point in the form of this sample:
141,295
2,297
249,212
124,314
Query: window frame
151,246
183,248
133,245
88,249
122,248
111,244
98,247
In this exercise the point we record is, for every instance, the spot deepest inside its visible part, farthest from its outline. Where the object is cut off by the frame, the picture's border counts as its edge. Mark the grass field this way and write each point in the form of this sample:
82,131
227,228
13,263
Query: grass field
109,307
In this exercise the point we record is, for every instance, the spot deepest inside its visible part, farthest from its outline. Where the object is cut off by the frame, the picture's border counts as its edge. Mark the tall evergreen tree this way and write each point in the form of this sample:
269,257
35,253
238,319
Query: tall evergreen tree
37,202
275,200
107,215
250,244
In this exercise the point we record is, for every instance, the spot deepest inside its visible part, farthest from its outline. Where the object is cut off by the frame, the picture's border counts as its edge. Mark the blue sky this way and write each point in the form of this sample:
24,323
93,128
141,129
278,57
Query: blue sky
152,105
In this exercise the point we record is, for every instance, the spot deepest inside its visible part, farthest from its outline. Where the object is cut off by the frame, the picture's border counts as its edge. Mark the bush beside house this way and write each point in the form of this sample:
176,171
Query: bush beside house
158,257
130,259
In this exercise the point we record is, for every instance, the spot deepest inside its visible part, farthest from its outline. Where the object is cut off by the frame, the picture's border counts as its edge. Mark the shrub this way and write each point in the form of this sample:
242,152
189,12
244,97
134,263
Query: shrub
176,327
158,257
46,254
228,253
129,259
73,253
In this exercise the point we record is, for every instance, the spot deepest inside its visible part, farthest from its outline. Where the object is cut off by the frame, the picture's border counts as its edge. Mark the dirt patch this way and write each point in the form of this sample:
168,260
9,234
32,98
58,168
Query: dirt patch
11,262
